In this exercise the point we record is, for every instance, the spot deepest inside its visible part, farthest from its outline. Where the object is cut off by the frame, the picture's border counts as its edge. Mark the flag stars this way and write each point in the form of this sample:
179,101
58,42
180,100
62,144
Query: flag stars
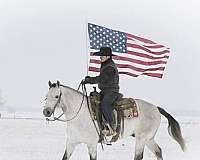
101,36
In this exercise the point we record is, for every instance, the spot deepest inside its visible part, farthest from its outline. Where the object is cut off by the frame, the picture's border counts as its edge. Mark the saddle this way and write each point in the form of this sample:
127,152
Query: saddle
123,108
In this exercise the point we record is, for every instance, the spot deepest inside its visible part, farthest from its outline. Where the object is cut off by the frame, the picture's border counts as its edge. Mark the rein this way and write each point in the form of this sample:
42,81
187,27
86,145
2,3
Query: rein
99,134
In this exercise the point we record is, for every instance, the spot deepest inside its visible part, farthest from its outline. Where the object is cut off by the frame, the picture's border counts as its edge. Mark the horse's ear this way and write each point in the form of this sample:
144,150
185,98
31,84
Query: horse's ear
58,83
50,84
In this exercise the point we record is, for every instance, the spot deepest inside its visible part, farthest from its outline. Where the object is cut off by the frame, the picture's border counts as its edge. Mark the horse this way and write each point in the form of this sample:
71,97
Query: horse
81,129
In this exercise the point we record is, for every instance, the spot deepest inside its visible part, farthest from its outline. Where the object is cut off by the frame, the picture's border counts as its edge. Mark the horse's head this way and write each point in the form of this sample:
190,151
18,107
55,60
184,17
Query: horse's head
53,99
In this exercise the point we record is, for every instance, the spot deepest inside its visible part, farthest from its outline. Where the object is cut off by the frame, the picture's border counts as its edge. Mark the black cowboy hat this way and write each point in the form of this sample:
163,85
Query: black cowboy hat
104,51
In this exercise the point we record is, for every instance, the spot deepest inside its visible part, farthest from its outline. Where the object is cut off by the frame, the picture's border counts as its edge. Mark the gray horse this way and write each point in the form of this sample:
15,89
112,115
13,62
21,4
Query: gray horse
81,129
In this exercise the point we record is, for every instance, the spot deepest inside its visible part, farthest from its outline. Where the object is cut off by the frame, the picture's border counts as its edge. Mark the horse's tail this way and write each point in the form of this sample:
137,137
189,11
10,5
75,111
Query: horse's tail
174,129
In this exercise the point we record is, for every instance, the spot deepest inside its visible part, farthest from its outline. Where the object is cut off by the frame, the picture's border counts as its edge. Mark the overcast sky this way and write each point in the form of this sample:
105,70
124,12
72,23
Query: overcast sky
43,40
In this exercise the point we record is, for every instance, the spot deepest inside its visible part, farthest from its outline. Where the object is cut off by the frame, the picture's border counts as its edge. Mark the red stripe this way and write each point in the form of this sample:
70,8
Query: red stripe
140,38
128,73
139,61
153,75
155,46
94,69
95,61
146,50
145,55
147,74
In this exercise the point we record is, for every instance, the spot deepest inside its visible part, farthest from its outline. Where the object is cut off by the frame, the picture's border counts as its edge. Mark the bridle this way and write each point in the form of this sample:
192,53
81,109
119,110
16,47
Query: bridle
58,102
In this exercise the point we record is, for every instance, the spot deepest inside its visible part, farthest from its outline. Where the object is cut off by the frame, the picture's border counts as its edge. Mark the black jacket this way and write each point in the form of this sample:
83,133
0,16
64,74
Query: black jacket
108,80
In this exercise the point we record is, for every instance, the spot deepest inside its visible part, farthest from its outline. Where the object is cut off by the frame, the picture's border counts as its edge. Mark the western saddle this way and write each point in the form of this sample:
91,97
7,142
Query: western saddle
123,108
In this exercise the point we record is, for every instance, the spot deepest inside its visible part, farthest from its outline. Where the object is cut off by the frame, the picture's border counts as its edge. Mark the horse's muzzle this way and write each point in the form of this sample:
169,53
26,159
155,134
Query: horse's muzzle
47,112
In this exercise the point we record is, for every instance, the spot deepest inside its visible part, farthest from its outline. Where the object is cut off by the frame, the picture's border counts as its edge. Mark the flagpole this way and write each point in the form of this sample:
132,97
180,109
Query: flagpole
86,41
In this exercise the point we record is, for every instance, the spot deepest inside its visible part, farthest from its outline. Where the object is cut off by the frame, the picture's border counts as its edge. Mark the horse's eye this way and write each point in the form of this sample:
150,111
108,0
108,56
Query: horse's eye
56,96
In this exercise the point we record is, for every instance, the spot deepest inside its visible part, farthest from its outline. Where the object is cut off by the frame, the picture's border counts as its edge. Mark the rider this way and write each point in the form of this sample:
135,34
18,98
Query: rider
108,83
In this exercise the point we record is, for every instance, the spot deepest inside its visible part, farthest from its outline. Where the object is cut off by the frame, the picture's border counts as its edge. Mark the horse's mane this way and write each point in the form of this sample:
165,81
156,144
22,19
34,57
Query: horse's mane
74,90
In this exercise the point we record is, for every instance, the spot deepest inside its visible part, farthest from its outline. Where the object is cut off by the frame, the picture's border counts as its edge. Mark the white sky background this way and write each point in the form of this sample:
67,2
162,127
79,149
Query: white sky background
45,40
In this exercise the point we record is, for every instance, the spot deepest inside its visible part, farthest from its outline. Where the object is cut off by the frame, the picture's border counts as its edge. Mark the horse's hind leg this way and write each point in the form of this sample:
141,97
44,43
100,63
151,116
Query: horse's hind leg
153,146
92,149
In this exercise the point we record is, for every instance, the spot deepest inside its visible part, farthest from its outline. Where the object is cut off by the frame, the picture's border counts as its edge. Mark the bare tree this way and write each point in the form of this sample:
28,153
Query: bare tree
1,99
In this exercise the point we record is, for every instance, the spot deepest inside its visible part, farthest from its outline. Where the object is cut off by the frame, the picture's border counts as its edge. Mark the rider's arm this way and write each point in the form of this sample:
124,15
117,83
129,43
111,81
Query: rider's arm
107,75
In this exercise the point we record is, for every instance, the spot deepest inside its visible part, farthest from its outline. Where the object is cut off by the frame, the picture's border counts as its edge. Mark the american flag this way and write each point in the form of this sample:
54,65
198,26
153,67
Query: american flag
134,55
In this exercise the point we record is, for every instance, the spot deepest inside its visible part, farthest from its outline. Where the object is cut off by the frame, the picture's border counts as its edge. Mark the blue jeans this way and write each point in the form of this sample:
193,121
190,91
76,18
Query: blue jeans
106,108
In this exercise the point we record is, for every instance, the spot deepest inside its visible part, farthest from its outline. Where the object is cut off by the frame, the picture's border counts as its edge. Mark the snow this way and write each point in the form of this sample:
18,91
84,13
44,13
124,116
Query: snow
35,139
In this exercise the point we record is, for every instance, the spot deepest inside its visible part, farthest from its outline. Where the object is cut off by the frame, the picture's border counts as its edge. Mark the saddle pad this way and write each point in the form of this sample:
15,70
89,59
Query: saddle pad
128,106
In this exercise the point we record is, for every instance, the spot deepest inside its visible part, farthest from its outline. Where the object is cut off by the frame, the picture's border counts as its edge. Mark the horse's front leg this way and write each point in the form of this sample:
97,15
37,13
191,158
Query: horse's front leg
68,151
92,149
139,148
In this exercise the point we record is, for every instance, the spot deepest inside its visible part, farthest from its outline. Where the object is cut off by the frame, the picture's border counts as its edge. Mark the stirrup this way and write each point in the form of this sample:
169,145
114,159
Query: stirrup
109,131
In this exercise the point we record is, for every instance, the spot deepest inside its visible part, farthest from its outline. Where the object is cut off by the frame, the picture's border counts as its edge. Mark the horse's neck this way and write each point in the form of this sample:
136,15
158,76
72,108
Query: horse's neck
72,101
78,120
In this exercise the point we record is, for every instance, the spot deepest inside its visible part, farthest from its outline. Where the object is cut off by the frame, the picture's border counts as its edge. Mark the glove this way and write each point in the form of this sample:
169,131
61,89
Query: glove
86,80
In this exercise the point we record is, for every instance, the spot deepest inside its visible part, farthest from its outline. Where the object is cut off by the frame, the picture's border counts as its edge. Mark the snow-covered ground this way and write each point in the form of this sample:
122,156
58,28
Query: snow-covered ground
28,139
